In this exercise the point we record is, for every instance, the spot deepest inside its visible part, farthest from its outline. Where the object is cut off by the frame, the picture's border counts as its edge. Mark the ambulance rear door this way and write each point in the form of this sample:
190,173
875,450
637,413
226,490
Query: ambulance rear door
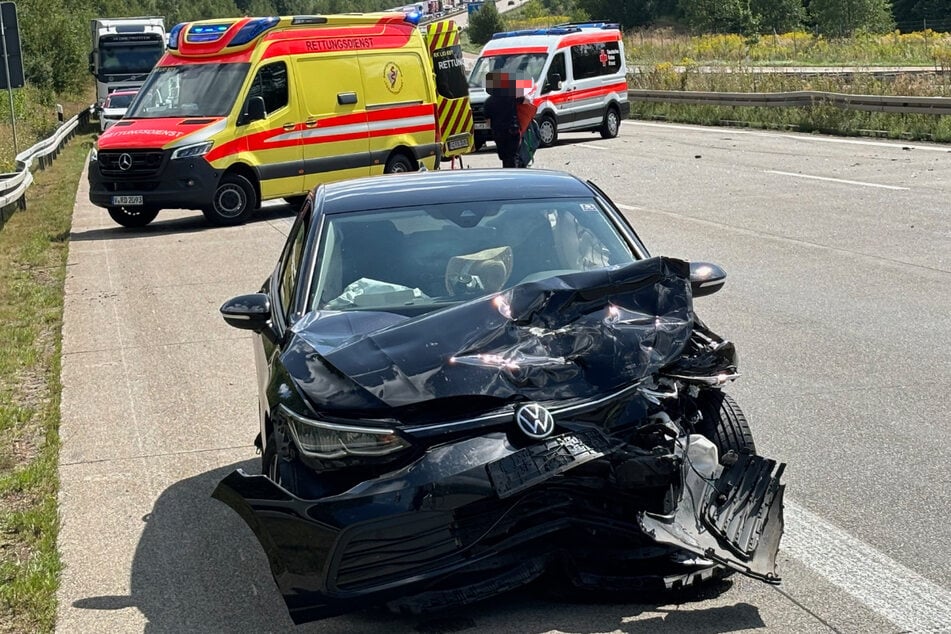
453,109
333,105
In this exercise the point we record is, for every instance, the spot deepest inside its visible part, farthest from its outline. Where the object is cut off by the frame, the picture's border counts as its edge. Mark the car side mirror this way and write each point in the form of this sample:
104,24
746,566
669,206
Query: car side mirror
706,278
256,109
247,312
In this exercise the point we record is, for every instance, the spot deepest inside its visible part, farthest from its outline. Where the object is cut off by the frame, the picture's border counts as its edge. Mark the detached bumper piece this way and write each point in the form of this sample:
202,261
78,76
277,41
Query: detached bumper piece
734,518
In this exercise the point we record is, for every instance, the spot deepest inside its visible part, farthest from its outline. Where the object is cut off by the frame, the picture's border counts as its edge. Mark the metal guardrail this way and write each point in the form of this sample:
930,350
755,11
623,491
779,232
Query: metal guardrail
13,185
802,99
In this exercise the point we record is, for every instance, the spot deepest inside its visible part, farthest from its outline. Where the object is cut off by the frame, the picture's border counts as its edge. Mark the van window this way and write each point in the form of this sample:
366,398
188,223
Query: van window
526,65
450,73
189,90
593,60
557,68
271,84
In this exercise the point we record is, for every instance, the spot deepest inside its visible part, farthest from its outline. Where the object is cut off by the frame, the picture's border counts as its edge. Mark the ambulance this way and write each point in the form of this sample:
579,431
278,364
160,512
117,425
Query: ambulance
243,110
579,74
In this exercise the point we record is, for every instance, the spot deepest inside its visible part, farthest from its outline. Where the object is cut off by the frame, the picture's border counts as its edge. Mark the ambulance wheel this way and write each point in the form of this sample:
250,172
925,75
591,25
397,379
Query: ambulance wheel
398,163
295,201
612,123
133,216
234,201
548,131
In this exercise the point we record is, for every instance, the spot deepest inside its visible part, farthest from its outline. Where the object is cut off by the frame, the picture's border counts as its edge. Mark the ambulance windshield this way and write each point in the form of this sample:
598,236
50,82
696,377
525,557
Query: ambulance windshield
191,90
526,65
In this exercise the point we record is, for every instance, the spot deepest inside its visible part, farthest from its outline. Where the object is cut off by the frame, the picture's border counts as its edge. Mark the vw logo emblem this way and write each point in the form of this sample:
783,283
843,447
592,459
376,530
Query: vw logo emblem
125,161
534,420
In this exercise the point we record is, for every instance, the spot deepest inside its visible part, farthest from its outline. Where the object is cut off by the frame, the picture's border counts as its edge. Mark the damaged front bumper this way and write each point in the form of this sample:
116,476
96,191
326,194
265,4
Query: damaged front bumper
474,518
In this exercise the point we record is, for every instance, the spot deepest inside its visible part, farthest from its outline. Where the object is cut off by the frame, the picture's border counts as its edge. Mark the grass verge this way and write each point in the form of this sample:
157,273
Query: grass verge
33,250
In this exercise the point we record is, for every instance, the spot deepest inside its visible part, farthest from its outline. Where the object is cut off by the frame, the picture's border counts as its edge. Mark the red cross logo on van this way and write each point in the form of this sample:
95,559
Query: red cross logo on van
603,57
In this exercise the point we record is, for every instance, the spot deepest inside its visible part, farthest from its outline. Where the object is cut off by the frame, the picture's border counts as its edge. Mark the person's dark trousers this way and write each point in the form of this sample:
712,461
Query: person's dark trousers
507,147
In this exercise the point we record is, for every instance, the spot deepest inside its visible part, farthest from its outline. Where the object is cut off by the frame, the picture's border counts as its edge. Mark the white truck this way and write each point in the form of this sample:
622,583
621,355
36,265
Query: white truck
124,50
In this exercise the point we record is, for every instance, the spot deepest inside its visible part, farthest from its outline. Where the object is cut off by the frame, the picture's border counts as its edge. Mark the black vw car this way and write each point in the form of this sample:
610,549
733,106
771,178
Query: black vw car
474,378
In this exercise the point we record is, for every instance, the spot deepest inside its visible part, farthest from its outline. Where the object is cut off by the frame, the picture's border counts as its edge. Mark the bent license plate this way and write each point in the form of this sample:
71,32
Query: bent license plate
126,200
530,466
480,126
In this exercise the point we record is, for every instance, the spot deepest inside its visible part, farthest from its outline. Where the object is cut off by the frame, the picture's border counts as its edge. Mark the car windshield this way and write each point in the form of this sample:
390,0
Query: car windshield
427,257
525,65
191,90
119,101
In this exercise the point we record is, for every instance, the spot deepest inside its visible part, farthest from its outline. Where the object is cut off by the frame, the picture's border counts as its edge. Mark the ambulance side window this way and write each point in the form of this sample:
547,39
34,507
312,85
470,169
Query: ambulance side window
592,60
271,84
557,68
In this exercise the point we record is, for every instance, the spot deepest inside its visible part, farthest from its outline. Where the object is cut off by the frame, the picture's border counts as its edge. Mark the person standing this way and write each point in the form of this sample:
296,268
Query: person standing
501,109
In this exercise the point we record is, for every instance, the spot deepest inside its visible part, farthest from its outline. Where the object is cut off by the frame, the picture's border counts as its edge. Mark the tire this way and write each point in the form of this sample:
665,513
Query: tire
233,202
133,217
548,131
398,163
724,423
612,123
295,201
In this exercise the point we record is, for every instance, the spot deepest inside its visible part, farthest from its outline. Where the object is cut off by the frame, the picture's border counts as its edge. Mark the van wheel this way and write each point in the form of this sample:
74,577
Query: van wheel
295,201
548,131
133,217
234,201
398,163
612,123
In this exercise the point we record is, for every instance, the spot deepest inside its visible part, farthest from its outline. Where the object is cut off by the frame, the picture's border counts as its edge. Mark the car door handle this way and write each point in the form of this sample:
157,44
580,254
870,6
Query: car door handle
289,126
310,123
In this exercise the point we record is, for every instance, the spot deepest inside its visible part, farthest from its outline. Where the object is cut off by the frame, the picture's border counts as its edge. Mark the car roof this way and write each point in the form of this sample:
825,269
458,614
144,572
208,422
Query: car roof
447,186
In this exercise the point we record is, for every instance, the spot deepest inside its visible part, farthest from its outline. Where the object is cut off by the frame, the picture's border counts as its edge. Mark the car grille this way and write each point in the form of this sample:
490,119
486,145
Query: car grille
131,163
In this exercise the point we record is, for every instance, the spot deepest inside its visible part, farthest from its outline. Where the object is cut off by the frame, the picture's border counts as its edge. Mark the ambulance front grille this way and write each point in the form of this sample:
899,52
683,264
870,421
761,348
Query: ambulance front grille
131,163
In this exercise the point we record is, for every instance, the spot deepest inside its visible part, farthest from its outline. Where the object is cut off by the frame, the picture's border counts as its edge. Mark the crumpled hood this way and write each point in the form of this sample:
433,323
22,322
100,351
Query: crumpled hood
159,133
571,336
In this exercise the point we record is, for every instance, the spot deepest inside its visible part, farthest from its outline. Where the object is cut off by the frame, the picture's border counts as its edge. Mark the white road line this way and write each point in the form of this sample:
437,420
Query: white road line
836,180
592,146
628,207
888,588
797,137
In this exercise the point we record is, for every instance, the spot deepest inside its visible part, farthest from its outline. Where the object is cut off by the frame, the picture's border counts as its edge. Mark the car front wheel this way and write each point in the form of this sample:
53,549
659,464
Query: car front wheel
724,423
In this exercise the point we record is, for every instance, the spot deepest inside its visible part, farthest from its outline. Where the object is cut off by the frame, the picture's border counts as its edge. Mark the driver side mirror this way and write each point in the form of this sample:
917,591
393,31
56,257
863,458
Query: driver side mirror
256,109
706,278
247,312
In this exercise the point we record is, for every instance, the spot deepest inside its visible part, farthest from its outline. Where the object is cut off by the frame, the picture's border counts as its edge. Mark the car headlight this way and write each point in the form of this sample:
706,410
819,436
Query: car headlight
93,154
320,439
191,151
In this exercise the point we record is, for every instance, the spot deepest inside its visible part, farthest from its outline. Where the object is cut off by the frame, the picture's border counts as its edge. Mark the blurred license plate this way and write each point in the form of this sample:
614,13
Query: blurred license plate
126,200
480,126
533,465
457,143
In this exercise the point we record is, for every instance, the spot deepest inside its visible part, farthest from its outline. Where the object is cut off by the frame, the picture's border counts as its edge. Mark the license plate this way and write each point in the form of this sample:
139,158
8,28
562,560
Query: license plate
480,126
533,465
126,200
456,143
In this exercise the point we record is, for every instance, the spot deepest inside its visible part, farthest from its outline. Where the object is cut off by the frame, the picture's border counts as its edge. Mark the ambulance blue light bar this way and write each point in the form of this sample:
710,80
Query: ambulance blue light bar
206,32
173,35
252,29
591,25
413,17
566,30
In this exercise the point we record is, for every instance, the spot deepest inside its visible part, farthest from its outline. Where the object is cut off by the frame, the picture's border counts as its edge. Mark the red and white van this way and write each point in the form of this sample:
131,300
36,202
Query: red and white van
579,72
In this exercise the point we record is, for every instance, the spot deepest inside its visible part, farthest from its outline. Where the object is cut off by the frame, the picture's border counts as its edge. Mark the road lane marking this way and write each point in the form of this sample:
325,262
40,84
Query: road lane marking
798,137
836,180
592,146
628,207
888,588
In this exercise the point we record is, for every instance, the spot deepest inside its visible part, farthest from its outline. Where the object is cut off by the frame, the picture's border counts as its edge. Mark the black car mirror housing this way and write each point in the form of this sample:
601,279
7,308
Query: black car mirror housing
706,278
247,312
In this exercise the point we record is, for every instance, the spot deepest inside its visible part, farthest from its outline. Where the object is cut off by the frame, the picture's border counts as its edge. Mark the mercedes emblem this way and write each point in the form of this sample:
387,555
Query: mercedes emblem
125,161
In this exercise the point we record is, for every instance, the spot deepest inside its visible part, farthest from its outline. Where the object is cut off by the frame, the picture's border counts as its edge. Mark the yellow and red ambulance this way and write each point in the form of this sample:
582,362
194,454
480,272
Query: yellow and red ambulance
242,110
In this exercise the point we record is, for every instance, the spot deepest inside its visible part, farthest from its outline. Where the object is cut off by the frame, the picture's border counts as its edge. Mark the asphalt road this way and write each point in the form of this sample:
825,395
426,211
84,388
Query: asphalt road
839,258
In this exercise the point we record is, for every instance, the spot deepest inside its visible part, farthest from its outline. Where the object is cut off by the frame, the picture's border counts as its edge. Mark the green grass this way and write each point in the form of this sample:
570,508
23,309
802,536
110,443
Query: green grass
33,250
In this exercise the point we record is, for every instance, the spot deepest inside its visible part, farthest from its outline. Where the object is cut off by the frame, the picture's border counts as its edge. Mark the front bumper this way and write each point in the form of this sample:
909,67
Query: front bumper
163,183
467,521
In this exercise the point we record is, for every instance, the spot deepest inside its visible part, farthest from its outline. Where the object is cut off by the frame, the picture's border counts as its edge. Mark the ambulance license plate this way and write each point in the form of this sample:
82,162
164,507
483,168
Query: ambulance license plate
127,200
458,143
480,125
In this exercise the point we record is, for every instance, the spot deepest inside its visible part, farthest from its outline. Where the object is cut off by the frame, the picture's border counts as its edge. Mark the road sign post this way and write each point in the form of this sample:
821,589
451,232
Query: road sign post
12,58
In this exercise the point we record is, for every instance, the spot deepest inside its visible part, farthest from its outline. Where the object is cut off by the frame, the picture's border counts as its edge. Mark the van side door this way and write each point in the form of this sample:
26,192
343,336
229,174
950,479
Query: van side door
272,143
335,131
554,88
595,68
